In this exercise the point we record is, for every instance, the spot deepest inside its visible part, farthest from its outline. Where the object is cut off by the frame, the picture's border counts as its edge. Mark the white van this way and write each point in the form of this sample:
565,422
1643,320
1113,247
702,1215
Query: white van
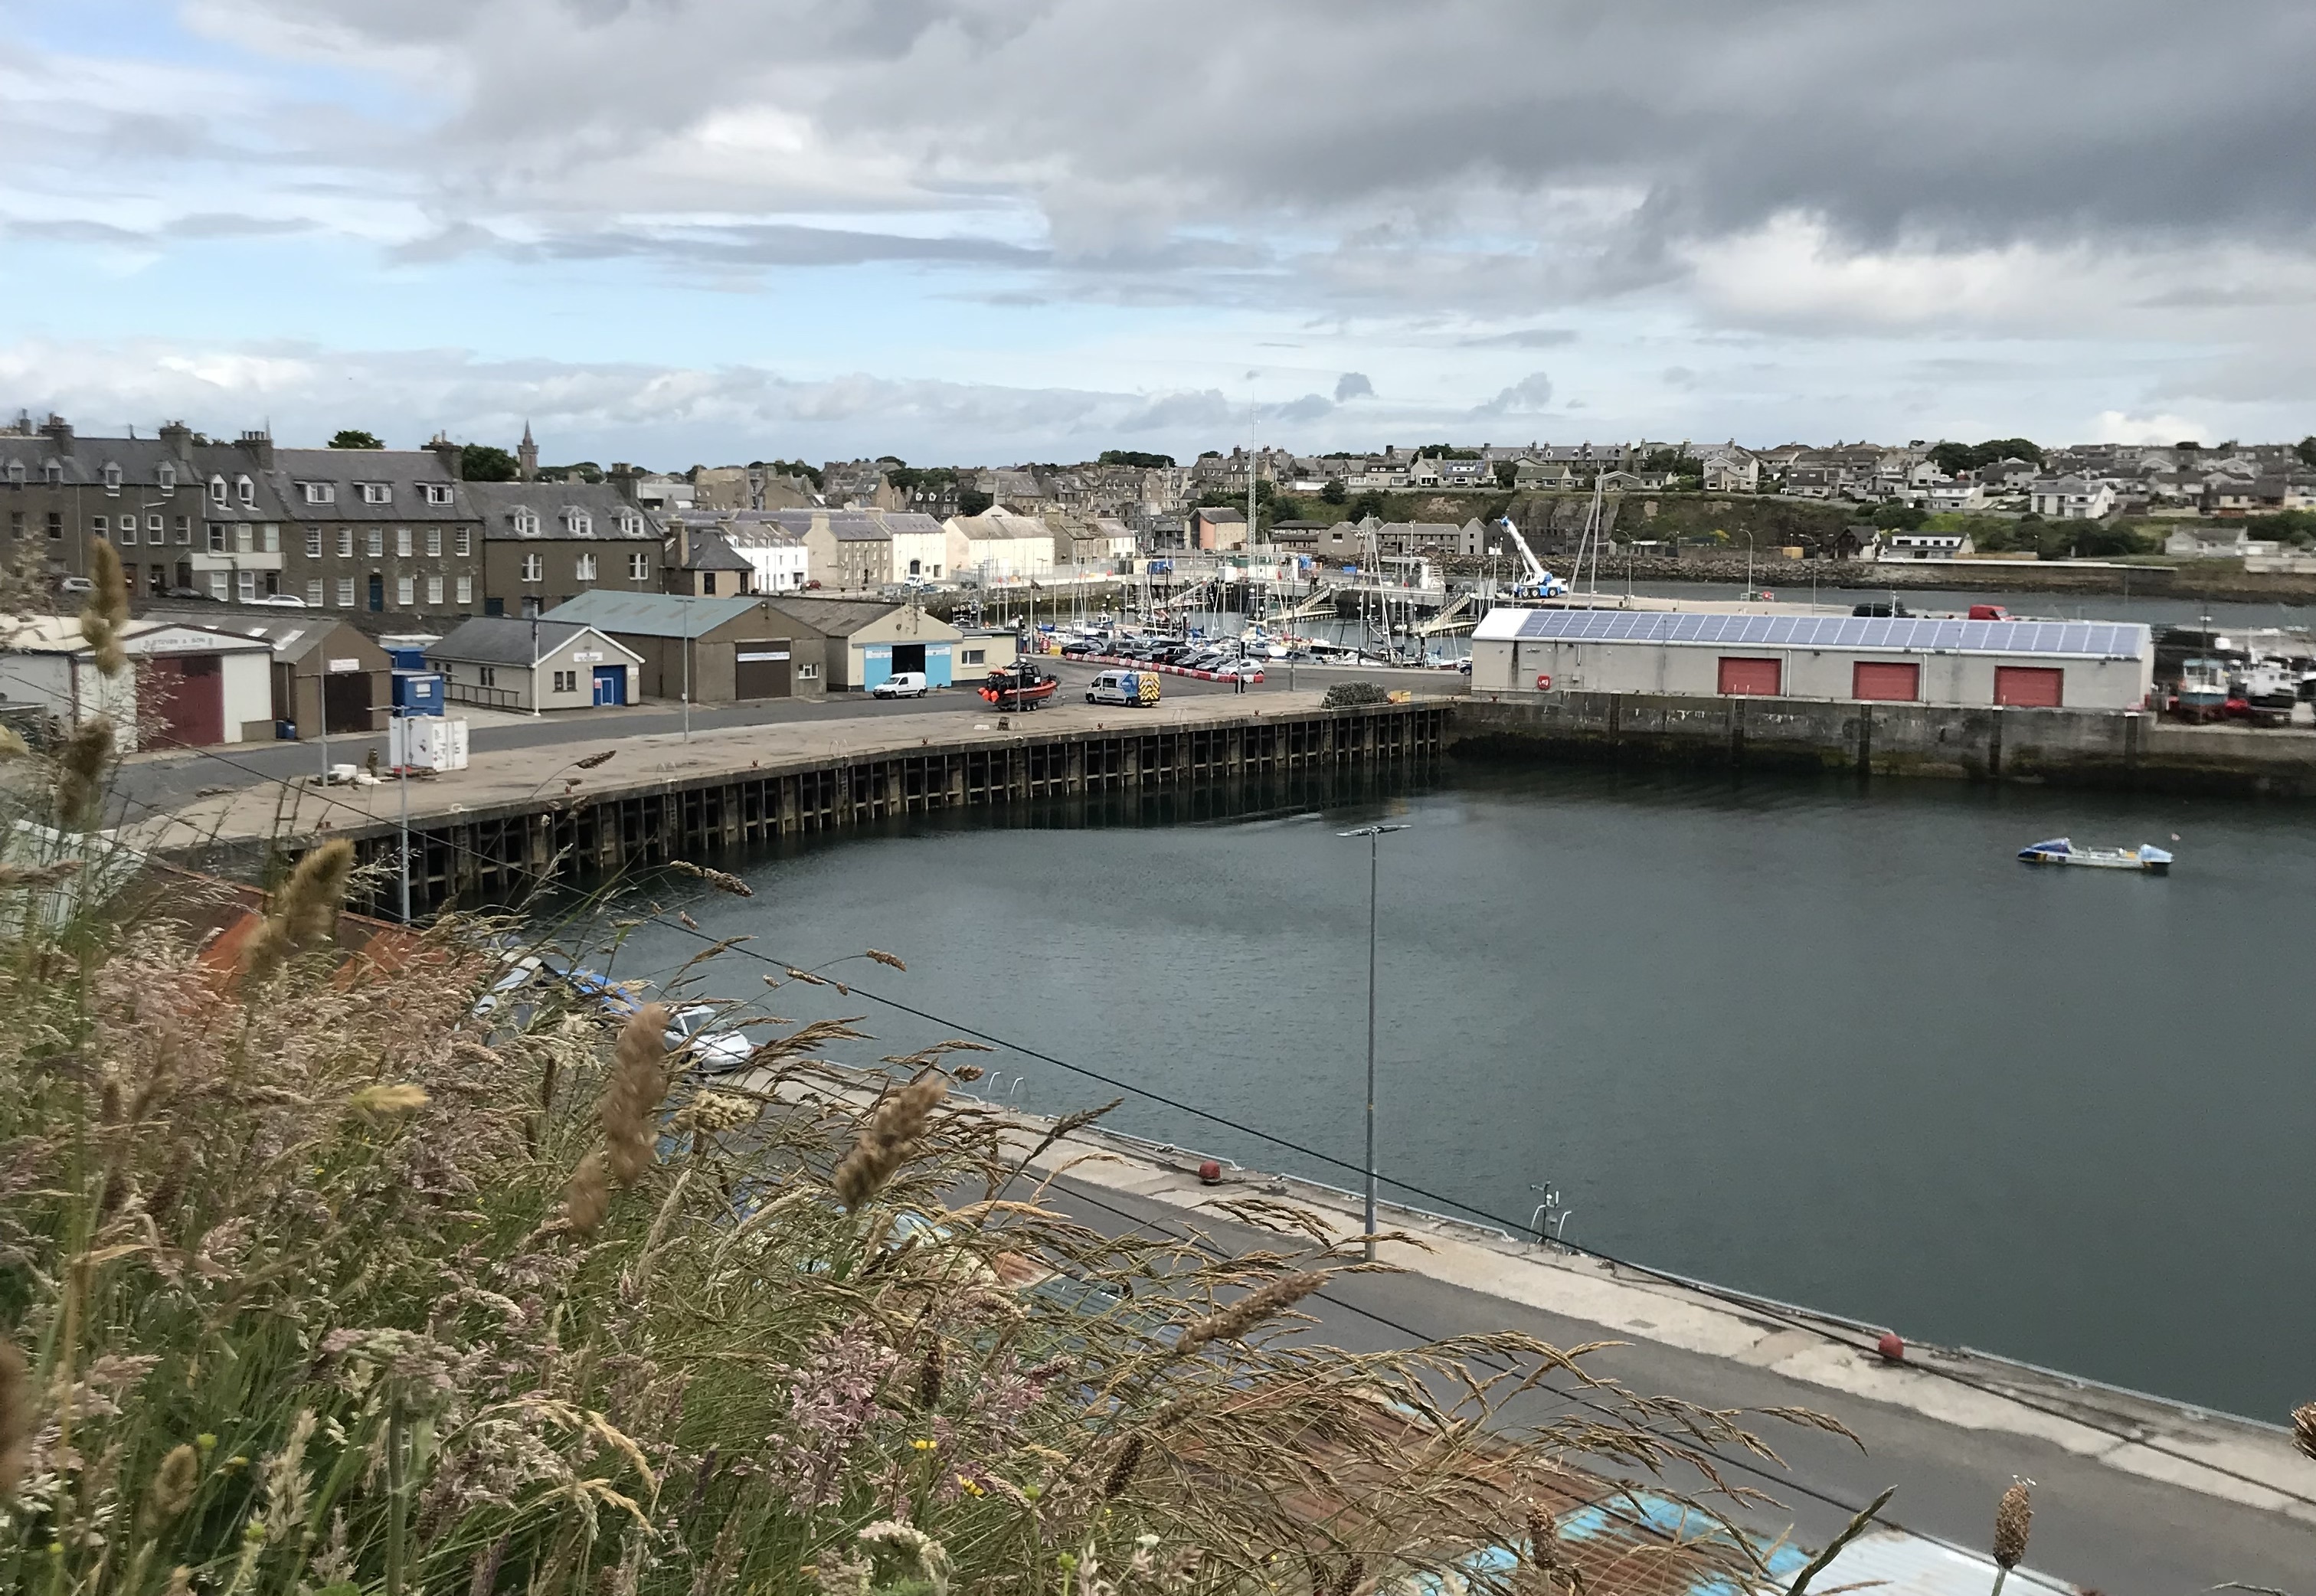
902,685
1124,687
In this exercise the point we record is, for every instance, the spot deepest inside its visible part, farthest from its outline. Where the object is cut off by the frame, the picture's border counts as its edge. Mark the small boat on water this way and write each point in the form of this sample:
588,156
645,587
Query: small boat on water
2146,857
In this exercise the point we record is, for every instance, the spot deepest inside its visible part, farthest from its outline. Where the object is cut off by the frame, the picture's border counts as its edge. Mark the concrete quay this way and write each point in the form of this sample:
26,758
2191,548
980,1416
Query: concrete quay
2075,748
519,816
2134,1494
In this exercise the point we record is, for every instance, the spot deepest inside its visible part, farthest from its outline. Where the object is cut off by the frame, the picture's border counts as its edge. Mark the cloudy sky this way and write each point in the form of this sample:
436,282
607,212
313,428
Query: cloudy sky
988,231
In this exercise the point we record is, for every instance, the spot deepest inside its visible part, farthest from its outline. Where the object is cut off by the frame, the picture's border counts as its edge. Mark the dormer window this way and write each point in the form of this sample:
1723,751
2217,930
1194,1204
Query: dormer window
246,490
15,473
526,521
582,524
438,493
320,492
376,493
630,523
54,471
112,478
166,476
217,490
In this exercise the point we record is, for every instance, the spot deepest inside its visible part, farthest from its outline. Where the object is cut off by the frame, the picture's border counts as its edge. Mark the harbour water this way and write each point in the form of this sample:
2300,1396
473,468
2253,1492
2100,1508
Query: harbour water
1826,1043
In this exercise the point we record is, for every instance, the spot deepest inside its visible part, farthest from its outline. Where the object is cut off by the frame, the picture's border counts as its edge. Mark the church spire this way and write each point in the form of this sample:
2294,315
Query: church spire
526,454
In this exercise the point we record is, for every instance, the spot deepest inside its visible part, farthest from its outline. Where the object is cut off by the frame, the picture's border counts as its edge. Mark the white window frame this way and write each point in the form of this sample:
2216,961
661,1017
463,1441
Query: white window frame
345,542
639,566
808,673
163,475
245,585
405,592
534,568
112,480
153,527
345,592
433,542
585,567
433,591
320,493
221,586
582,524
269,538
313,542
466,590
462,542
566,681
246,490
313,592
217,490
526,521
377,493
438,493
401,542
376,542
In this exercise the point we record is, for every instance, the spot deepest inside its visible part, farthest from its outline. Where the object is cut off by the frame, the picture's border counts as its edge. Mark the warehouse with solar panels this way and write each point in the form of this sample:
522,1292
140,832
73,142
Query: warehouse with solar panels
2048,664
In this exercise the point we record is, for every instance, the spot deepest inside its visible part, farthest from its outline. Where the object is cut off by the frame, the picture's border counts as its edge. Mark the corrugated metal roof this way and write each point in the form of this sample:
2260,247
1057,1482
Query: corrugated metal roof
2073,639
650,614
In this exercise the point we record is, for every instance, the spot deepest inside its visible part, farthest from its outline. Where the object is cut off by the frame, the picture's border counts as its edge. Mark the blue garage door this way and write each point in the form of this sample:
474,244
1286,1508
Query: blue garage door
611,684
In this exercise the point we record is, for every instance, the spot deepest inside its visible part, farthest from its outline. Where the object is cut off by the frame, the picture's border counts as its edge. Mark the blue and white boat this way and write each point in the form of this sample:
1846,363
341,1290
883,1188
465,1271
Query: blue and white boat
2146,857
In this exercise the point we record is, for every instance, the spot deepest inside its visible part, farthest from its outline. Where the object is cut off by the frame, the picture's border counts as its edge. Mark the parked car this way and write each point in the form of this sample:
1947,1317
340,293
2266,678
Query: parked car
278,601
201,593
1079,647
902,685
77,587
1247,669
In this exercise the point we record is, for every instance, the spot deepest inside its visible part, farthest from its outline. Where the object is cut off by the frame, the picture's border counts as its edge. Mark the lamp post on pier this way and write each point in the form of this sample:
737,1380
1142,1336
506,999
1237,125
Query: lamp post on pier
1374,834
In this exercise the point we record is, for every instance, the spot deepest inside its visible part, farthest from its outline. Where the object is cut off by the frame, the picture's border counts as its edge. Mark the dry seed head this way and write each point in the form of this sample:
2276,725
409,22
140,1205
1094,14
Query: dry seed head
1121,1472
1354,1569
180,1580
80,772
2010,1522
587,1198
389,1103
108,609
722,881
888,958
305,912
593,760
172,1491
632,1096
930,1375
16,1418
2303,1429
1273,1297
12,744
886,1144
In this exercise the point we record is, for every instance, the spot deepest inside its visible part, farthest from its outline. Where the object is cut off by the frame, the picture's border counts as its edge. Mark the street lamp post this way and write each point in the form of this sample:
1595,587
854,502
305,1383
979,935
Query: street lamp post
1374,834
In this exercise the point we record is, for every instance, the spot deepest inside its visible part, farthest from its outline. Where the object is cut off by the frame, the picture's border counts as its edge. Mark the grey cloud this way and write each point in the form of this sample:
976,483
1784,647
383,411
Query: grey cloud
1531,338
1680,376
1748,109
1309,407
1353,385
1531,393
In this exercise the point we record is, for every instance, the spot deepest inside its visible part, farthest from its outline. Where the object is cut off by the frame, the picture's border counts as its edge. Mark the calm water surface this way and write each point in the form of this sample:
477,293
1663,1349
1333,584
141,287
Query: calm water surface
1825,1043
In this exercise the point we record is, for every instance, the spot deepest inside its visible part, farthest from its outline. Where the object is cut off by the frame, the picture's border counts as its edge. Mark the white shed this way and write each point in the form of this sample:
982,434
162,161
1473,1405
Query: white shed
186,685
2026,663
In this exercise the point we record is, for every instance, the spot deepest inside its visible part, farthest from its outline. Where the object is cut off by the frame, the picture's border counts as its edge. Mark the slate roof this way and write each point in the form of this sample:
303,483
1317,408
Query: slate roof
404,471
836,618
555,504
292,636
506,640
711,552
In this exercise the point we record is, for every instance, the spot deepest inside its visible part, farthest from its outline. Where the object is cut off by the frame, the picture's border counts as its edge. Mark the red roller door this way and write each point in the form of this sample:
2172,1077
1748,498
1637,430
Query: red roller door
2029,687
190,694
1762,678
1886,680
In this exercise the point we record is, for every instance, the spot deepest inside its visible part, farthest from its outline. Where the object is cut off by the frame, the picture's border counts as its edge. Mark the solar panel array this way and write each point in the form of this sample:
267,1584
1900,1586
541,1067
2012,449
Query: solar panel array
2080,639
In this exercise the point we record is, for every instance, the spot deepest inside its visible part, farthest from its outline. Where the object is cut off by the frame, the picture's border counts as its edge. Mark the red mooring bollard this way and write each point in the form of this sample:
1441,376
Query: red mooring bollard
1891,1347
1210,1173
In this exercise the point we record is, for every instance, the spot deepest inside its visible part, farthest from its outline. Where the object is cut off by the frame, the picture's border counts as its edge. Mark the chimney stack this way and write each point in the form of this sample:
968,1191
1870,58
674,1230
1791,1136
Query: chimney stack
259,445
57,431
178,439
448,453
